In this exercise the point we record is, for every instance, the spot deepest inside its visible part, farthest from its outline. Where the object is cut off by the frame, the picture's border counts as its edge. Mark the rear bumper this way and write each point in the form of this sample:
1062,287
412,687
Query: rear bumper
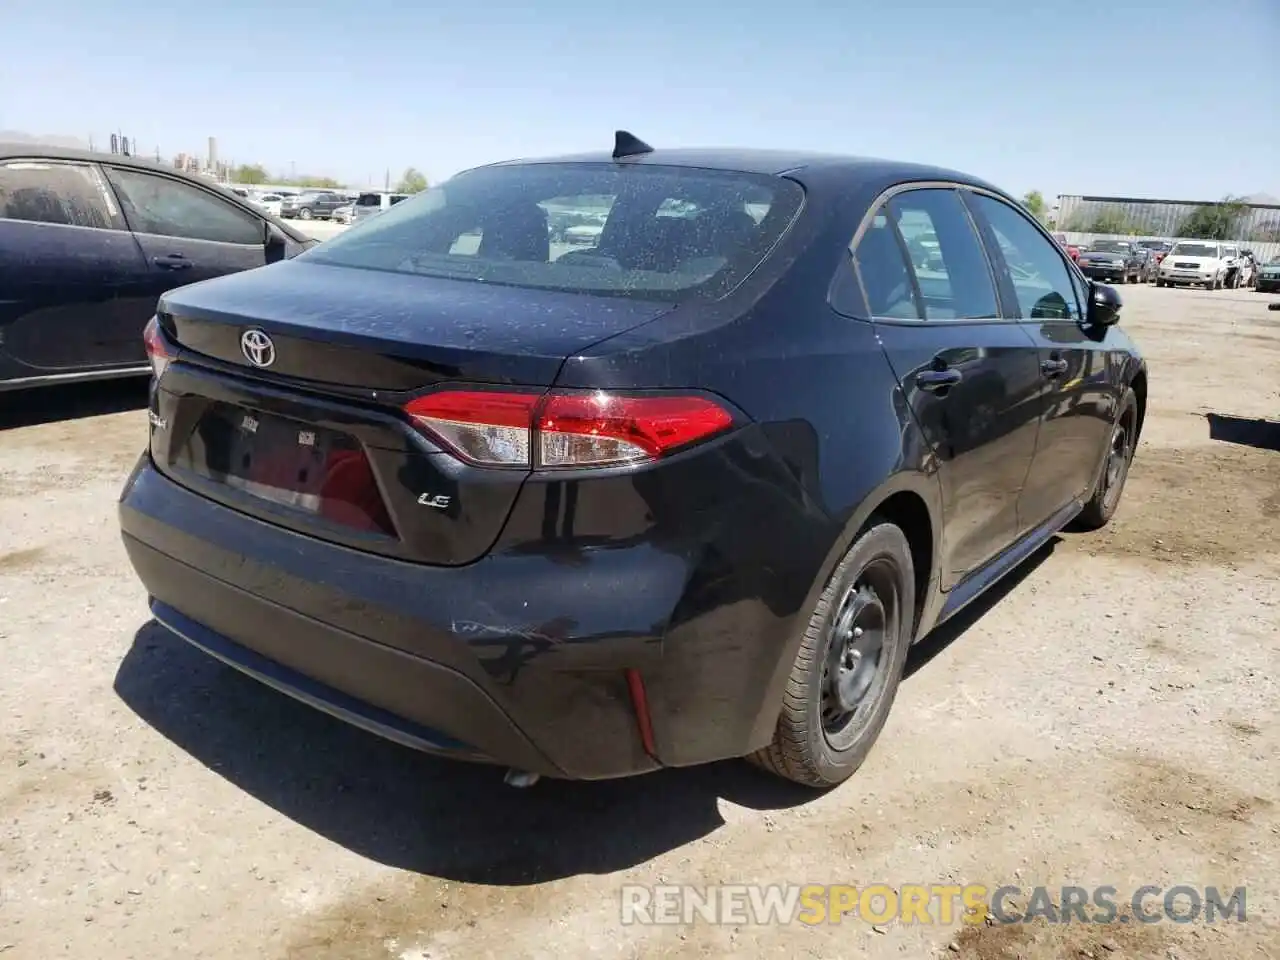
516,659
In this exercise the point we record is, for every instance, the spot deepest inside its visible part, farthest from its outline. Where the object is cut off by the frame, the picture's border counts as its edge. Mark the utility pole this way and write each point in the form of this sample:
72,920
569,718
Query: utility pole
386,183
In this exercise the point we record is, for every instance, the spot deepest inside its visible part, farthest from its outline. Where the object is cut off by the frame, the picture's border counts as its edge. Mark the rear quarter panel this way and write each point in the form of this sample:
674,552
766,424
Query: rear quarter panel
835,439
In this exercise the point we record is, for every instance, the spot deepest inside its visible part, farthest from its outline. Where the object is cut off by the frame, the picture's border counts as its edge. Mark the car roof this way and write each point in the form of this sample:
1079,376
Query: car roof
24,151
796,163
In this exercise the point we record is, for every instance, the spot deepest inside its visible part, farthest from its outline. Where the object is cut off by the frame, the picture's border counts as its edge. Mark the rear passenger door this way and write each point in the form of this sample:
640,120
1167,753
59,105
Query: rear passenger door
1076,401
72,279
186,233
969,376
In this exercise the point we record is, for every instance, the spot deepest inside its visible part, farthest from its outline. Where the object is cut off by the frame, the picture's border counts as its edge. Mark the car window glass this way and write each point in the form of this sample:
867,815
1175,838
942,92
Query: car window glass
1040,276
665,233
882,267
71,194
170,208
950,267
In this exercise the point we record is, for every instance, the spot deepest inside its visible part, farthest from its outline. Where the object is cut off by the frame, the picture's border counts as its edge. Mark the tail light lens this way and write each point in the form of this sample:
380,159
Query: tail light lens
565,430
157,349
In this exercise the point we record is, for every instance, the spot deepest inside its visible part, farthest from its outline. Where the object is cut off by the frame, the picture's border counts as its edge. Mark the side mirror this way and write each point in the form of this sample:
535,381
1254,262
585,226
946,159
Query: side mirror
1104,305
274,241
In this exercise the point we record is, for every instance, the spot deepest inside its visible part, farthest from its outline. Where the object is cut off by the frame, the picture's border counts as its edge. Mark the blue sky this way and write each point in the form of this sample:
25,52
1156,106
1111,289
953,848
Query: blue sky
1144,99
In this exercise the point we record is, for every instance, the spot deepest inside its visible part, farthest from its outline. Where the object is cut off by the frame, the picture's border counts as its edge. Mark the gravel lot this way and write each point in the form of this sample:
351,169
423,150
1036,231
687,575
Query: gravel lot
1112,717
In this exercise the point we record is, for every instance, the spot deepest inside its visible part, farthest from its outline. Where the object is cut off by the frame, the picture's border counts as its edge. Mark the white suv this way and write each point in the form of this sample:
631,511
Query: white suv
1194,261
374,202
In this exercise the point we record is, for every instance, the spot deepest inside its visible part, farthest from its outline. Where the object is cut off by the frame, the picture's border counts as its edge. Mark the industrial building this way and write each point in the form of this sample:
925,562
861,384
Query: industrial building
1162,218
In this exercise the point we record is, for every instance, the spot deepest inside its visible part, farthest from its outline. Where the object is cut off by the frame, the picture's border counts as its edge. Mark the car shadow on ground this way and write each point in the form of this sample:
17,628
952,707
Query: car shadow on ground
1263,434
450,820
28,408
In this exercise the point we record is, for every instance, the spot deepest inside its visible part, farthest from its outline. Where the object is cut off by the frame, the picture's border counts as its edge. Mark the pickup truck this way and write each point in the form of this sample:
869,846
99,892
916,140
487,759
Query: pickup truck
1114,260
314,204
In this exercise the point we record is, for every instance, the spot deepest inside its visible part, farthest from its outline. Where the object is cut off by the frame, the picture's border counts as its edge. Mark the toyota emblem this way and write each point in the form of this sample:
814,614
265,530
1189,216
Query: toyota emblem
257,348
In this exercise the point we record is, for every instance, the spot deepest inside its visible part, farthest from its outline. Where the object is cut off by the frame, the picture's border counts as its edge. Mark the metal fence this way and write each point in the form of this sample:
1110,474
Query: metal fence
1163,218
1263,251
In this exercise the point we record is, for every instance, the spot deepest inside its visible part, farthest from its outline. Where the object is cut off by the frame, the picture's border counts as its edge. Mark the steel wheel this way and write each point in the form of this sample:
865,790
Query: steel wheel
853,668
849,663
1117,468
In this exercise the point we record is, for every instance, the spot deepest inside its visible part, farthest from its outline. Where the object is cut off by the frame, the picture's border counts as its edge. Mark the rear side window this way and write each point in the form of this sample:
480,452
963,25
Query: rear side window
71,194
950,267
368,200
169,208
1041,279
648,232
882,267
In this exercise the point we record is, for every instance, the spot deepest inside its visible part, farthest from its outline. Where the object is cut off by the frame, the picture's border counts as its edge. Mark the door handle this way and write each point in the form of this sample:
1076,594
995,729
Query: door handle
1053,368
933,380
174,261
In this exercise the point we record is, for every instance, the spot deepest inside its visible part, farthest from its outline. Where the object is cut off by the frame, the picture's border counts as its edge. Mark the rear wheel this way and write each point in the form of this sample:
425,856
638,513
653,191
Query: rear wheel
847,671
1097,513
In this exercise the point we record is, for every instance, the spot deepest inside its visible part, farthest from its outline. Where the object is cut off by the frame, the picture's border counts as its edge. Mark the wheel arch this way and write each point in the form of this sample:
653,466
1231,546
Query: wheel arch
912,501
1138,384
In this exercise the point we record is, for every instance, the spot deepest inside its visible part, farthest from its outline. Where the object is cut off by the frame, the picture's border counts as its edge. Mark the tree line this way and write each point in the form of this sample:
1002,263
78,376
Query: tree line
250,174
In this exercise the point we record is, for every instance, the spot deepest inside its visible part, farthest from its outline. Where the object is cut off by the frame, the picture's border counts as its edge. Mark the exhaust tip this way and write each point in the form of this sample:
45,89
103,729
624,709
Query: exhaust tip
520,779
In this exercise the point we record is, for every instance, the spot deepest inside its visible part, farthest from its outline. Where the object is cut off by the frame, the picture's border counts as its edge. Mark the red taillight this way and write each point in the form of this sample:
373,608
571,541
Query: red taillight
157,350
563,429
481,426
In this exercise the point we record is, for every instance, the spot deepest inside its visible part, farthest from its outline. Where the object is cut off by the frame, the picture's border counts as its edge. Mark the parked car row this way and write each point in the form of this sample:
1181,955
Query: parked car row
1213,264
1209,263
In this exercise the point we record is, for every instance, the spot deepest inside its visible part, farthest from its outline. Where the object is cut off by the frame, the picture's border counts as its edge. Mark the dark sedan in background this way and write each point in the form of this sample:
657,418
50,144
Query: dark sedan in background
1269,276
89,242
314,205
1119,261
686,492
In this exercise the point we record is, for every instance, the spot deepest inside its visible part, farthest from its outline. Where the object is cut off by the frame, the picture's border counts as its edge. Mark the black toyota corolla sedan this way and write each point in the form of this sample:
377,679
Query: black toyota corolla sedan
685,490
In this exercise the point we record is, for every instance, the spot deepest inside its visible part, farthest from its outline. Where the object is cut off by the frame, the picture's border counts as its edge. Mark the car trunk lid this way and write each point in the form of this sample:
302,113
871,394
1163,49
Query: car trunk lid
316,440
375,330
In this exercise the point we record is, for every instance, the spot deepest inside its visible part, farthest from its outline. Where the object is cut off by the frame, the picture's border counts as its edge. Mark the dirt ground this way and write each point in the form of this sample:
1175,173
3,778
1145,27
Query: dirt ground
1112,717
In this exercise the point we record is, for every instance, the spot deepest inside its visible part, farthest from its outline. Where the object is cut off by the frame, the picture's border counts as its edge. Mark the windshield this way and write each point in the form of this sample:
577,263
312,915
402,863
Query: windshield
1109,246
651,232
1154,244
1195,249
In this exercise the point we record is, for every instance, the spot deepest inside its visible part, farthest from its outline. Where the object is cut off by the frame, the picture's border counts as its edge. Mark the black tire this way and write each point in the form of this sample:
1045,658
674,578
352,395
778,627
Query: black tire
305,213
1113,472
1122,278
1159,282
868,604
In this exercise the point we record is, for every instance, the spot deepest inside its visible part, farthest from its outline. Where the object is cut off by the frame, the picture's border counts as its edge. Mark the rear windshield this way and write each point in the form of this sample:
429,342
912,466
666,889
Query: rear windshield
647,232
